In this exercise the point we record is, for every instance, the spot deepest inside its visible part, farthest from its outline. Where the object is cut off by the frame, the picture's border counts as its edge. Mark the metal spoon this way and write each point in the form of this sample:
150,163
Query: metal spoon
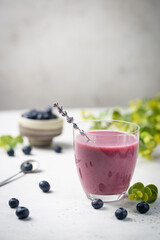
35,165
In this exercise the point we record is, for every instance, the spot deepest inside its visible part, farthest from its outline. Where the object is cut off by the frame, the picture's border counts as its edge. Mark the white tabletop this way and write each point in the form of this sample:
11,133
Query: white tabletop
65,212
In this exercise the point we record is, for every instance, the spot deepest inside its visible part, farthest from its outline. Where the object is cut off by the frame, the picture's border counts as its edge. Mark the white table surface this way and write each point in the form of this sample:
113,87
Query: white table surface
65,212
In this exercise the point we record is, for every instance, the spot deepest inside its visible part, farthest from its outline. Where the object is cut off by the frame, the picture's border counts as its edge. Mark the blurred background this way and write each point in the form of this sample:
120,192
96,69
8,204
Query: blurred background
81,53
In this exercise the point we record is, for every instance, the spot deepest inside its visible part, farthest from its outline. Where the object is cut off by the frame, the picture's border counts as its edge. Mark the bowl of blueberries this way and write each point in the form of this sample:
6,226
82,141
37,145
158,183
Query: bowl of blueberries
40,126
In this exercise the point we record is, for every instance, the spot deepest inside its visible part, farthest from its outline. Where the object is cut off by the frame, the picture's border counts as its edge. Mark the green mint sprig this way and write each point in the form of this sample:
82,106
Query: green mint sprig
139,192
7,141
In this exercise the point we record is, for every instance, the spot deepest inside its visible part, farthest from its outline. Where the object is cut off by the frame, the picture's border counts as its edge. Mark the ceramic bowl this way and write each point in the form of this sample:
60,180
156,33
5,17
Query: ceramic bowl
40,132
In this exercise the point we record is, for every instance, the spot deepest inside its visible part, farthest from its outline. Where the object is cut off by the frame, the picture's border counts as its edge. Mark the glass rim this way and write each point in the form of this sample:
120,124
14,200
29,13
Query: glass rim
110,121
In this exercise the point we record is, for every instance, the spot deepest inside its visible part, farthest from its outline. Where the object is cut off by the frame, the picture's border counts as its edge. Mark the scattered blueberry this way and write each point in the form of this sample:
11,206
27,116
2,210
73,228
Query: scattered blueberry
27,166
97,203
13,202
121,213
57,149
22,212
142,207
27,150
44,186
10,152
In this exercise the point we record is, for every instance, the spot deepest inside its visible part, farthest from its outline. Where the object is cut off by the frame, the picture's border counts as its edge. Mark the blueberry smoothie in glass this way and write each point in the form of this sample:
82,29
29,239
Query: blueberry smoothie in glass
107,161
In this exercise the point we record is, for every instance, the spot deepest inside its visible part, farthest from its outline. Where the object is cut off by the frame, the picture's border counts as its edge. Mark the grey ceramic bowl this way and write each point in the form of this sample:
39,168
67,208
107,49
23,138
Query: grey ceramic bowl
40,132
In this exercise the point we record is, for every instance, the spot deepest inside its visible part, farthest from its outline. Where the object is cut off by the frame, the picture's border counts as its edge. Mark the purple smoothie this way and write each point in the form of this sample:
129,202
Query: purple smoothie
107,162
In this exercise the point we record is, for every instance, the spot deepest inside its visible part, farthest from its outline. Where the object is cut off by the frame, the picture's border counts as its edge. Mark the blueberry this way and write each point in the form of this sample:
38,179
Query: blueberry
46,116
33,114
48,110
27,150
57,149
39,116
10,152
13,202
53,116
27,166
25,115
97,203
121,213
22,212
44,186
142,207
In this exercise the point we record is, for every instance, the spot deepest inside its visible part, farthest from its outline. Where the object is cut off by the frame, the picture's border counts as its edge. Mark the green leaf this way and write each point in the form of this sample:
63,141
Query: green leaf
139,186
8,141
148,191
152,187
152,198
19,139
135,190
132,197
130,190
12,143
140,194
145,197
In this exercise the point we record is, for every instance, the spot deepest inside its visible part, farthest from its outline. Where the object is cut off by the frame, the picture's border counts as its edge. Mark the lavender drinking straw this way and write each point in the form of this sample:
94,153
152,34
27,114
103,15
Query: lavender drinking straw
70,119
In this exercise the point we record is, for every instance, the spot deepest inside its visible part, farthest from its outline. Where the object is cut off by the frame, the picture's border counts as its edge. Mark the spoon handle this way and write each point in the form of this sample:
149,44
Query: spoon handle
9,179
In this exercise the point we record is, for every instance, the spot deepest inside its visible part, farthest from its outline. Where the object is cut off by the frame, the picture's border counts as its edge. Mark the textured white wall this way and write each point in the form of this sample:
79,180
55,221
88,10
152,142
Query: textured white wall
82,53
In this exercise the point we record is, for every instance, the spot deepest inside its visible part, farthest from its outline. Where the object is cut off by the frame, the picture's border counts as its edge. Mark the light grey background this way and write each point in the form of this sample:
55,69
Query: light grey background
81,53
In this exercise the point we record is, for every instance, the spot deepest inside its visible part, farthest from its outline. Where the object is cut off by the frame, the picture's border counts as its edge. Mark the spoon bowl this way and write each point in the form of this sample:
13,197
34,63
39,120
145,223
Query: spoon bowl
28,166
35,165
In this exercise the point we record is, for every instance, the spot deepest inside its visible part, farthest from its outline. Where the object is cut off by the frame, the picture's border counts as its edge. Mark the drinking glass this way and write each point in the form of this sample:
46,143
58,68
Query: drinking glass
106,157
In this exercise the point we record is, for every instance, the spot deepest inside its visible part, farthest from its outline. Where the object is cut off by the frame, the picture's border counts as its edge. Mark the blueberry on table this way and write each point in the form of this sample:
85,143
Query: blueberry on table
27,166
27,150
10,152
97,203
44,186
22,212
57,149
121,213
13,202
142,207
